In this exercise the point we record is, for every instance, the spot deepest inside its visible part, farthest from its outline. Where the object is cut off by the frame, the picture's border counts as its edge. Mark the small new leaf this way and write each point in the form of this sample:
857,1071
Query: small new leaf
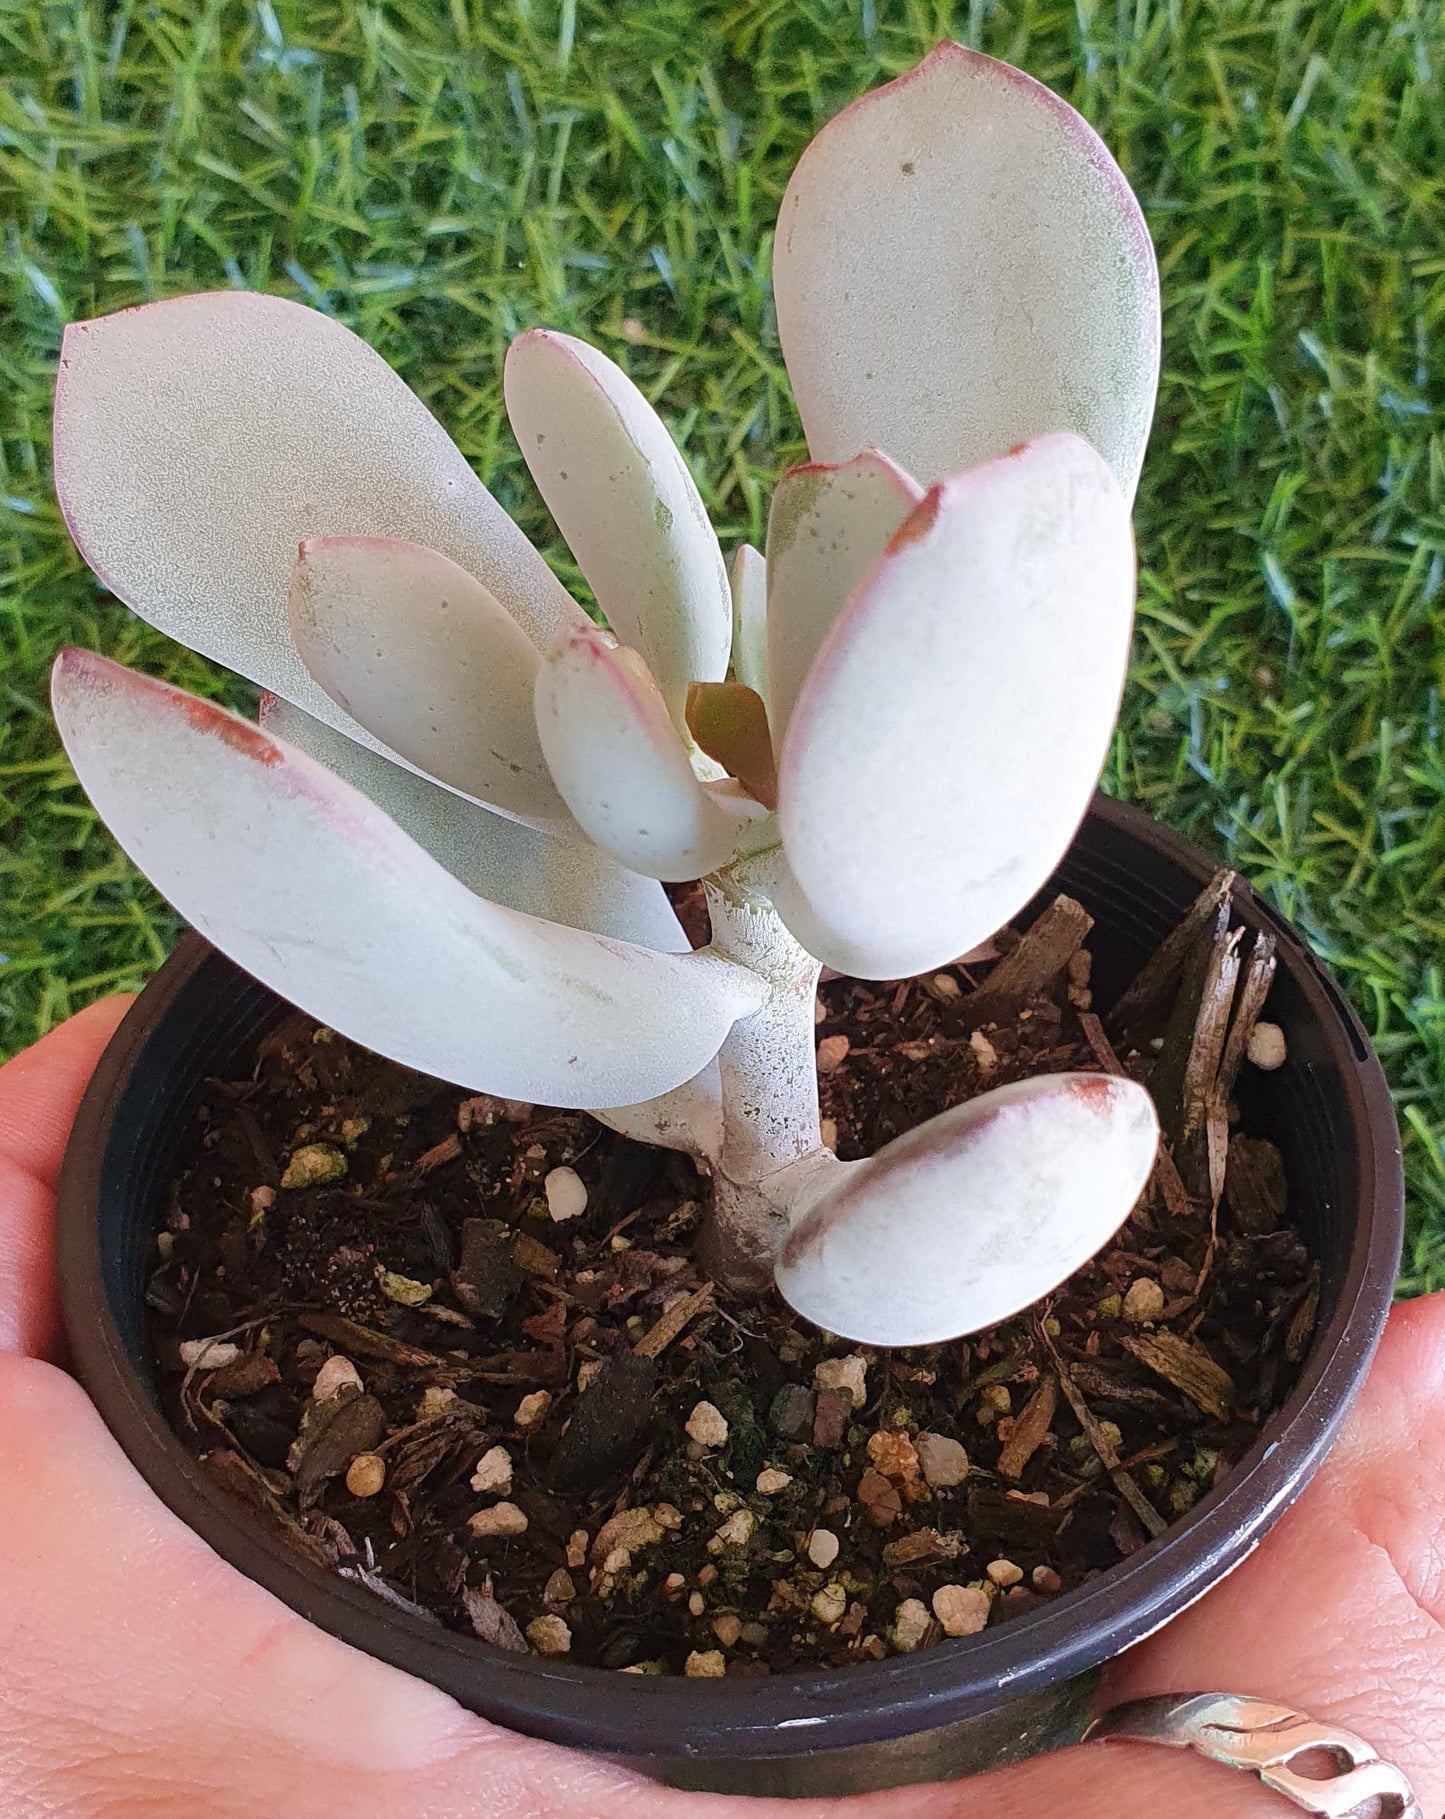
730,723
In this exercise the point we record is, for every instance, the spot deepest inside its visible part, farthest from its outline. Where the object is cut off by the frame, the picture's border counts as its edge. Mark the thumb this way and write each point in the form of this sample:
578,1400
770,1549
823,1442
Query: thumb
40,1091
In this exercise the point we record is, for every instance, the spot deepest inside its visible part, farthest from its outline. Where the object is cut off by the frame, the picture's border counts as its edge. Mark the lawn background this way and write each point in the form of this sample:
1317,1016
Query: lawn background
441,174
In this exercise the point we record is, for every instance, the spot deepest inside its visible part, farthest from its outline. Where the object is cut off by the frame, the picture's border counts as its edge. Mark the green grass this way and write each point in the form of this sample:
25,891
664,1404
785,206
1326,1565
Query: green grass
441,173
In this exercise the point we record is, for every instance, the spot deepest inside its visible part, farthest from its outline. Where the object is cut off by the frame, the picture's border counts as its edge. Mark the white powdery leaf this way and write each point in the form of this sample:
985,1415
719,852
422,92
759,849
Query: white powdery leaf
949,736
620,764
968,1219
630,511
960,265
419,653
560,879
748,578
200,440
826,530
689,1118
309,886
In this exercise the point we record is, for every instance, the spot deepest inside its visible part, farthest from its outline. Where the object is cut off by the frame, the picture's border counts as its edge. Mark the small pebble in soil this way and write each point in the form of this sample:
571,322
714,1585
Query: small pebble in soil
830,1419
910,1625
501,1520
984,1052
577,1543
828,1131
1267,1048
962,1609
208,1354
771,1481
880,1499
823,1548
487,1276
532,1410
1144,1303
406,1291
435,1400
850,1373
1046,1580
696,1603
550,1635
792,1410
832,1053
707,1425
673,1584
561,1588
944,1461
829,1604
627,1532
313,1165
1004,1573
893,1456
727,1628
336,1374
494,1473
706,1664
566,1194
366,1474
737,1531
993,1401
946,985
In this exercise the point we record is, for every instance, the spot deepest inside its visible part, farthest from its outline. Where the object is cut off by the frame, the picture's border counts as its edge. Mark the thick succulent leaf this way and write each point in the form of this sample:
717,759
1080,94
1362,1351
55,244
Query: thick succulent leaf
199,440
620,764
748,577
308,885
959,266
562,880
623,498
971,1217
689,1118
827,528
950,733
822,940
424,657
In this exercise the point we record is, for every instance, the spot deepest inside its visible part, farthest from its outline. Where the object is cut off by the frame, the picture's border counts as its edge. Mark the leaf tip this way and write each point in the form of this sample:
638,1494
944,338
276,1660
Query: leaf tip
919,522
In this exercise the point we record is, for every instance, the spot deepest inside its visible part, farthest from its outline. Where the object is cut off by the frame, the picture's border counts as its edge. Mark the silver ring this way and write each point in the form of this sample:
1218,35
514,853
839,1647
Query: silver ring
1266,1739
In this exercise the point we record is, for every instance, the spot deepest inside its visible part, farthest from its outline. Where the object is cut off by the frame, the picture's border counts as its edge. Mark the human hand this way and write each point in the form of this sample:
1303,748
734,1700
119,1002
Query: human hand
141,1678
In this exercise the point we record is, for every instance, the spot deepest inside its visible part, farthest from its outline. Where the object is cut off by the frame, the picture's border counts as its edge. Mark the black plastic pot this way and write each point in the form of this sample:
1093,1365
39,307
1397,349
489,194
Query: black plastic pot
957,1708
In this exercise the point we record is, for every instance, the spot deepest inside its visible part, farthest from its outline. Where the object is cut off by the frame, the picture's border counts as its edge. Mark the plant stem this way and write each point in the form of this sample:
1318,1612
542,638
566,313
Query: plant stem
772,1162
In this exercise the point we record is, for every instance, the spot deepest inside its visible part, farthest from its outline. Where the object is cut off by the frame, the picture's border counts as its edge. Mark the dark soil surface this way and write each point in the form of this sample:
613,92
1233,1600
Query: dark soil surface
798,1523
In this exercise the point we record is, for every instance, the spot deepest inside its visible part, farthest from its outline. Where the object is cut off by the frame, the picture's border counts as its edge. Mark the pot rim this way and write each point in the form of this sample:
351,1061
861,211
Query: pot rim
805,1710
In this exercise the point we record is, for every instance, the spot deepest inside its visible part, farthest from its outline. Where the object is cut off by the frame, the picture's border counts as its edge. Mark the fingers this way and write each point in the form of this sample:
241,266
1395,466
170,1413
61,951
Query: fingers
39,1093
1341,1613
142,1678
41,1089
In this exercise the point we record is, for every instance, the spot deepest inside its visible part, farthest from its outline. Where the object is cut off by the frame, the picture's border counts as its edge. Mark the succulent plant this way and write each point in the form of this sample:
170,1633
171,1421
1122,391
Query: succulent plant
872,743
